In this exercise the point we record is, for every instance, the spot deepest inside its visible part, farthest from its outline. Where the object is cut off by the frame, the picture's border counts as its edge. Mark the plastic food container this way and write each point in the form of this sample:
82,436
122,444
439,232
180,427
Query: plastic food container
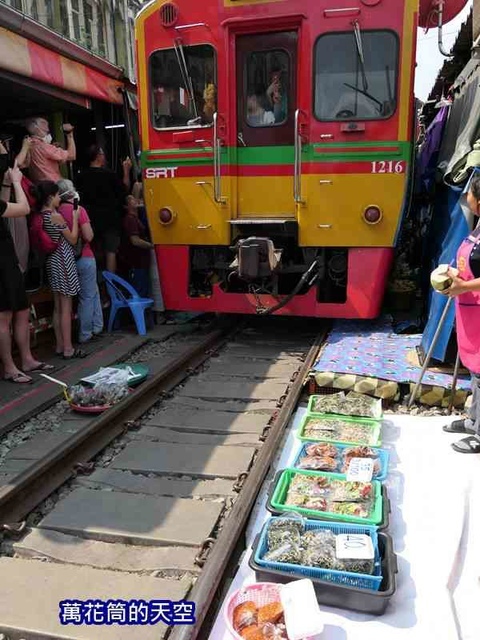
383,457
340,595
360,580
379,515
261,593
376,403
374,427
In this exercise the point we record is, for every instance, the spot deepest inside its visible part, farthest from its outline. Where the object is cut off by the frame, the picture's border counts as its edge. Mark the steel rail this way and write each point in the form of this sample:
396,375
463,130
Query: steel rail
30,487
210,579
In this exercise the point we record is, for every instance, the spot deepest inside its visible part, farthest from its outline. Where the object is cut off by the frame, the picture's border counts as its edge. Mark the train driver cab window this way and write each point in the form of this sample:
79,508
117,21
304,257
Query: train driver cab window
183,86
266,86
358,82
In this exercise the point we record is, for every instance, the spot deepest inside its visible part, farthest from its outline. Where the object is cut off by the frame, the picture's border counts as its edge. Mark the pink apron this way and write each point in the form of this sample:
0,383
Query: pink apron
467,308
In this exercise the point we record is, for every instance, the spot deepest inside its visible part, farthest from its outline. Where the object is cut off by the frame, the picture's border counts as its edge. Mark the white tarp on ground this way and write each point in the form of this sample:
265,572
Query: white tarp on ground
435,526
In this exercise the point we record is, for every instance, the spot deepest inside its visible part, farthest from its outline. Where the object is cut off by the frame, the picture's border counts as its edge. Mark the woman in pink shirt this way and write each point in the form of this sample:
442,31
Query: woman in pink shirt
90,314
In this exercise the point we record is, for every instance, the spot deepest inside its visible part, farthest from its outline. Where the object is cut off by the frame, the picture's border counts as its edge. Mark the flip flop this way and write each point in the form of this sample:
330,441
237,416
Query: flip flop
457,426
78,353
17,378
42,367
467,445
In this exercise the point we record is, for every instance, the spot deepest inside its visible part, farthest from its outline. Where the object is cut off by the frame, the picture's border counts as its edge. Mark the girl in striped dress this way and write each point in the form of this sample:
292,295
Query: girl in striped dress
61,266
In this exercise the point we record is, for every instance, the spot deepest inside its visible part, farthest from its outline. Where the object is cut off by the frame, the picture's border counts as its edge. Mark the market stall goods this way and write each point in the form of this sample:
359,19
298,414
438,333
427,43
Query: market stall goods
328,496
351,404
331,458
339,429
254,622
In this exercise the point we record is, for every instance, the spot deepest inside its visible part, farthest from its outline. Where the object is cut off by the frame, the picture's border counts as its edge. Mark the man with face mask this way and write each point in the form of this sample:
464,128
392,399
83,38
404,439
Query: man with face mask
45,157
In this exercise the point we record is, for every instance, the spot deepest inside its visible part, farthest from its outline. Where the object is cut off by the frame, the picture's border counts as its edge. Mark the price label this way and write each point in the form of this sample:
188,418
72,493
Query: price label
354,546
360,470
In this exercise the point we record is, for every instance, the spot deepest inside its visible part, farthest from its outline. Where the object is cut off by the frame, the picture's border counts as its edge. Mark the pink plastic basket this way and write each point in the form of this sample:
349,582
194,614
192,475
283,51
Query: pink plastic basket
261,593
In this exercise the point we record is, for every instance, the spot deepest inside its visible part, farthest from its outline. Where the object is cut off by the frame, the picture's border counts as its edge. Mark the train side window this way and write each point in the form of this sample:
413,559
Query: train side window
359,82
183,86
266,83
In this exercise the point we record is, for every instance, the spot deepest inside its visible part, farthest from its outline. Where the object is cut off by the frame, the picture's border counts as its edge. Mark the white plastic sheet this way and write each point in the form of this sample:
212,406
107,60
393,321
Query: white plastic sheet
435,526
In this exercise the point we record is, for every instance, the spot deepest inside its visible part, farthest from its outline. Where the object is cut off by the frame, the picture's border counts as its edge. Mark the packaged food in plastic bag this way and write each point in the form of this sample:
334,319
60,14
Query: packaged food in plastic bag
287,528
317,463
361,452
287,552
322,450
344,491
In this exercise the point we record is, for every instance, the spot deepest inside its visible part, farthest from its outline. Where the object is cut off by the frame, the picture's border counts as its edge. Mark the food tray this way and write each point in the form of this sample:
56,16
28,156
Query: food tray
383,456
261,593
376,427
140,371
279,489
361,580
343,596
377,409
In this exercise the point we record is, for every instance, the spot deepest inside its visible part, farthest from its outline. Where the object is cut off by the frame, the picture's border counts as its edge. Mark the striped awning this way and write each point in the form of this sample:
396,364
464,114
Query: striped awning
27,58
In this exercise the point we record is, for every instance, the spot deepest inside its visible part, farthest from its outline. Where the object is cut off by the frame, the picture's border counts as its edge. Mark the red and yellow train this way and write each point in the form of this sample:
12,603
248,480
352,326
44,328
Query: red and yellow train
277,142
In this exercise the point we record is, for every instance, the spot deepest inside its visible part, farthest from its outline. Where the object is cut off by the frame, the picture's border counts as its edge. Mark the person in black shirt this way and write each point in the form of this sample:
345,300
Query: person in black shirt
102,194
13,298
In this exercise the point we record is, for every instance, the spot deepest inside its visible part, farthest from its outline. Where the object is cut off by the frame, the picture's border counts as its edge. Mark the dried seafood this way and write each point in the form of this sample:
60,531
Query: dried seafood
318,549
330,458
352,404
339,430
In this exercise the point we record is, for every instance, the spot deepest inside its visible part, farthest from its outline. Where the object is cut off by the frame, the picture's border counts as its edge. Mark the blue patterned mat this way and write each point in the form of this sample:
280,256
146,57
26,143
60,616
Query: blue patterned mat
372,349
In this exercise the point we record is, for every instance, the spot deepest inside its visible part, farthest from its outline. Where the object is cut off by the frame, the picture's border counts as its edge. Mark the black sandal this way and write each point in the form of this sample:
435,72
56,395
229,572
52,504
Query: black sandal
78,353
467,445
457,426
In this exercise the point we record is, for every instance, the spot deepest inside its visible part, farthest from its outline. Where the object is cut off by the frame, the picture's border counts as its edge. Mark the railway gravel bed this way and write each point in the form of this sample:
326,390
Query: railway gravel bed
162,500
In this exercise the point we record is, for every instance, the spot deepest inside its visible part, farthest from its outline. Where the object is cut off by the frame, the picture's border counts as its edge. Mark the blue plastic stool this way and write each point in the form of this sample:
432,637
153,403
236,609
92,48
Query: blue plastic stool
136,304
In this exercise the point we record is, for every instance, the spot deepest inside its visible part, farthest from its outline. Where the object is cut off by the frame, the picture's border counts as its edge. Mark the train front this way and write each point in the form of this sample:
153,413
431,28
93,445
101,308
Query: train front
277,139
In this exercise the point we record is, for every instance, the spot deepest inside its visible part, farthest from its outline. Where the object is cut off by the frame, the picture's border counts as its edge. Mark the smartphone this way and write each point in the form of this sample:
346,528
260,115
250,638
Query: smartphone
75,204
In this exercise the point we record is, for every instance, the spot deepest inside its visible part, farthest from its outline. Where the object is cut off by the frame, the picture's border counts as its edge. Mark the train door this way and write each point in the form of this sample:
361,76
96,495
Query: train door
266,103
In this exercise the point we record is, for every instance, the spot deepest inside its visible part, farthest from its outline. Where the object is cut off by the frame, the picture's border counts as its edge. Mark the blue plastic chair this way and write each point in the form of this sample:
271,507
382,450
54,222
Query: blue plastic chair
137,305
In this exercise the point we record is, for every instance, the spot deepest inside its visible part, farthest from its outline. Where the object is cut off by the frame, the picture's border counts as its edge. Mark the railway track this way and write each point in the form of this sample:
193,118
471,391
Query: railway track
160,512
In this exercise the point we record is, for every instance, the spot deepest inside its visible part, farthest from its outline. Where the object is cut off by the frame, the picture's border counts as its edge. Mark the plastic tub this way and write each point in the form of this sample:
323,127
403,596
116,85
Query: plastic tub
344,596
279,488
383,457
375,426
377,407
361,580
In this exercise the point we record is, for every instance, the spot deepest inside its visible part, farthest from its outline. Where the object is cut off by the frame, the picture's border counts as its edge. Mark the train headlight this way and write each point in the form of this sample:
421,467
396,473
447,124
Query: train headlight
372,214
166,215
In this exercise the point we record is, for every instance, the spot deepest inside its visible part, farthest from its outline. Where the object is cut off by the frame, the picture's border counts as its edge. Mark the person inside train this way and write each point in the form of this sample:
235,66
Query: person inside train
45,157
257,115
465,289
277,96
90,316
14,305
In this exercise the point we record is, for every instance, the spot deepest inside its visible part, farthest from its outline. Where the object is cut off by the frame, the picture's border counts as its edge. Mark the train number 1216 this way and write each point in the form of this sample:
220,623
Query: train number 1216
384,166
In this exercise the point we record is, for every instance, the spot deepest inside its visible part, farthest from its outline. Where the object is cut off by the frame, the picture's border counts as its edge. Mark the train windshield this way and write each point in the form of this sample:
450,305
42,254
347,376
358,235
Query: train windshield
350,86
183,87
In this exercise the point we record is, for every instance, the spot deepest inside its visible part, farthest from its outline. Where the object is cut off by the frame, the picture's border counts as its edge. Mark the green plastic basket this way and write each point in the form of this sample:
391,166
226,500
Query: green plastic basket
375,425
277,499
378,403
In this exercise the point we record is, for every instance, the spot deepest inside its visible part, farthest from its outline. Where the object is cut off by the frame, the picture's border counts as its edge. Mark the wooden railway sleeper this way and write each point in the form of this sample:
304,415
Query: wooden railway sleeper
11,529
202,555
239,482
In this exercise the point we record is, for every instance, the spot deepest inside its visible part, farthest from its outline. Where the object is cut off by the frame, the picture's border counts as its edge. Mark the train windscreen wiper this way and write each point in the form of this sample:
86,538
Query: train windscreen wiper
364,93
359,45
182,63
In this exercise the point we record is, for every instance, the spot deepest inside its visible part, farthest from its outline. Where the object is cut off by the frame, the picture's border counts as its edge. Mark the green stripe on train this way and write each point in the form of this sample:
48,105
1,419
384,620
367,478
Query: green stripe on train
278,155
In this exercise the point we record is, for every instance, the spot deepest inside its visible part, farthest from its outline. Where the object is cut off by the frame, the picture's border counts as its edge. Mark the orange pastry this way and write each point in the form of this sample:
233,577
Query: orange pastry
244,615
270,613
